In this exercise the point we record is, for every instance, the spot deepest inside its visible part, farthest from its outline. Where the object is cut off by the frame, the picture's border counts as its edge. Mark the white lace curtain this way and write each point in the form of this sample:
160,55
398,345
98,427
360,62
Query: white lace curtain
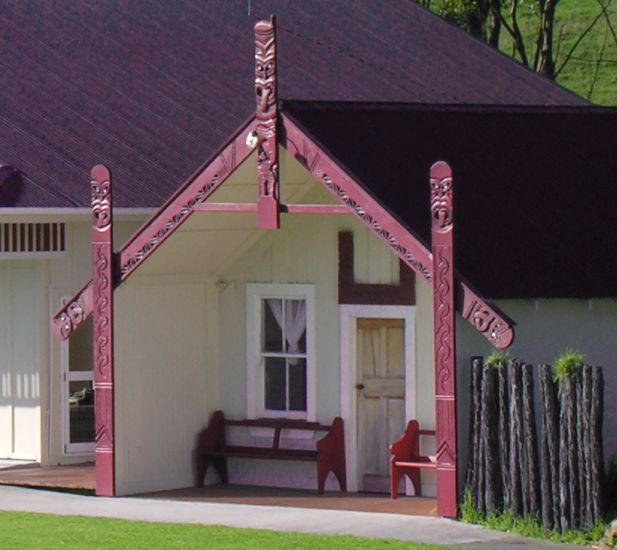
295,321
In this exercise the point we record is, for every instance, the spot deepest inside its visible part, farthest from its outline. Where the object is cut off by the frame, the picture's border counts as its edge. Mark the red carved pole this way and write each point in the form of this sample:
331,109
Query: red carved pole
266,113
445,338
102,317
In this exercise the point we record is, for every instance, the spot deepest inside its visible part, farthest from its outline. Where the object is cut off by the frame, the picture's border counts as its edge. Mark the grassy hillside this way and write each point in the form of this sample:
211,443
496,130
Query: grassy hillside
591,71
582,73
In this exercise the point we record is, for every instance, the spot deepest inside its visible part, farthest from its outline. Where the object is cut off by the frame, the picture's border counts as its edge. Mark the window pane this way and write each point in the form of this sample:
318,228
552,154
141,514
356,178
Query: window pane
295,325
80,348
276,382
297,384
81,412
272,335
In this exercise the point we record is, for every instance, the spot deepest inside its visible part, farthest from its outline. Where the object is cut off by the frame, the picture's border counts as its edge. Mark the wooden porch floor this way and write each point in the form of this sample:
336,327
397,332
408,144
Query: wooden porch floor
81,477
75,477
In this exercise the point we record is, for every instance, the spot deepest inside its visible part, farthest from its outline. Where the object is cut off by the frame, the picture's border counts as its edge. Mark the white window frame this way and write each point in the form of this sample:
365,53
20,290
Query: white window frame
255,294
68,376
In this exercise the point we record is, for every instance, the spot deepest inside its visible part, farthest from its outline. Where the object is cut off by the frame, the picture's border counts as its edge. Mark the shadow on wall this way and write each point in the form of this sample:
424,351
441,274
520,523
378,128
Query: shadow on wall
11,185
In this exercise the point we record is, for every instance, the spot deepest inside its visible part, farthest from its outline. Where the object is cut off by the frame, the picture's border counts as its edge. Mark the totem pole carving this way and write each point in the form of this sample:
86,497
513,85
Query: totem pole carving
102,317
445,338
266,113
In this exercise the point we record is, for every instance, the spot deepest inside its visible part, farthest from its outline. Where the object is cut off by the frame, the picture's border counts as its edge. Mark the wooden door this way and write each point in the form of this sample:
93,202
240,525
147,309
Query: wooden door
380,367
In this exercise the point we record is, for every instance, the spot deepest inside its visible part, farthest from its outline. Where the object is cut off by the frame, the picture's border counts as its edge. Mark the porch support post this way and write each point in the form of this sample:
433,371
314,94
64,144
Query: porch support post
445,338
266,130
102,317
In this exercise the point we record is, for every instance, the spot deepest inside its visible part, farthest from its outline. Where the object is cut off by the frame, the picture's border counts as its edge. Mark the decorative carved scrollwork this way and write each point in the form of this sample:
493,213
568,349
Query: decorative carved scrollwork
169,226
485,320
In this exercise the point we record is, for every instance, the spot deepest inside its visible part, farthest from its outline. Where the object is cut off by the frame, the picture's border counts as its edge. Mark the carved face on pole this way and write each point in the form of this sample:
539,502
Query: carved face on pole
265,69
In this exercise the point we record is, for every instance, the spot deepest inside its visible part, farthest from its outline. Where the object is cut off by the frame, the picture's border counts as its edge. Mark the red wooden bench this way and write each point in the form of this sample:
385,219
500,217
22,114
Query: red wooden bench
406,458
329,453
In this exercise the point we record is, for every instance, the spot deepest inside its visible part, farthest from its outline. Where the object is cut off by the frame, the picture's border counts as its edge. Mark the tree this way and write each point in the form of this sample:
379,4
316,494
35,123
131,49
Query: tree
487,19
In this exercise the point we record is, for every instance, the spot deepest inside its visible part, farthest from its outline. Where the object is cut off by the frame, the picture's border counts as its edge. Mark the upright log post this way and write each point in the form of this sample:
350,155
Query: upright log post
102,317
445,338
266,113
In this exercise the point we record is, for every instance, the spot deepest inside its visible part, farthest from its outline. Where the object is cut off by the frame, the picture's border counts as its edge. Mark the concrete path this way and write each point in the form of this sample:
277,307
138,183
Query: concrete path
334,522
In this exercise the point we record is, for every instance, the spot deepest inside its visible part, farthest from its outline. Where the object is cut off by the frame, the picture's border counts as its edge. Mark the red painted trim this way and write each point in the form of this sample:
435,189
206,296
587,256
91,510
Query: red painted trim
266,113
284,208
315,209
402,241
350,292
442,233
103,323
205,181
70,317
237,207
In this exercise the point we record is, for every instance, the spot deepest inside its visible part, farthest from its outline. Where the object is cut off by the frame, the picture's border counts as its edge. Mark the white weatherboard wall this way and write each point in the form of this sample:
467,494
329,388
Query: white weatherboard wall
161,381
20,410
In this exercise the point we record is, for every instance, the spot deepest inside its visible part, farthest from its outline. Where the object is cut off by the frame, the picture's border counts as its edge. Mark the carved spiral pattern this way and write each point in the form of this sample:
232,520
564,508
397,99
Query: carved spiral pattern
444,334
484,320
375,225
102,305
170,225
69,319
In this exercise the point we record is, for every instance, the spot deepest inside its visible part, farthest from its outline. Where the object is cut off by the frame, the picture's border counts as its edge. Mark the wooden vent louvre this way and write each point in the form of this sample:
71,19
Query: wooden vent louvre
18,238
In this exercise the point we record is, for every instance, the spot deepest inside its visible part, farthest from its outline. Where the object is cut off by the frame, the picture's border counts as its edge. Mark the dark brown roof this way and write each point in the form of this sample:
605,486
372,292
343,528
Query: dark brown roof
535,189
152,87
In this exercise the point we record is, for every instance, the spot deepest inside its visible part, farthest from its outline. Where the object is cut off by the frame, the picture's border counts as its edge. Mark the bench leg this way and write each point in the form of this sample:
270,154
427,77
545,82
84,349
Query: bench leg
396,474
395,480
219,463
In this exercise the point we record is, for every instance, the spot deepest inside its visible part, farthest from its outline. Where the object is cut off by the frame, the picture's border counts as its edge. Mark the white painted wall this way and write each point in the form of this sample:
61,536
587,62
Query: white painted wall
20,368
161,381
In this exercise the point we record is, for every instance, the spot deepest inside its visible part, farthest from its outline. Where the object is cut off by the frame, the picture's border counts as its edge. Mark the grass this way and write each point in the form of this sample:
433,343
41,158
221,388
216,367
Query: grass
568,364
527,527
25,530
573,17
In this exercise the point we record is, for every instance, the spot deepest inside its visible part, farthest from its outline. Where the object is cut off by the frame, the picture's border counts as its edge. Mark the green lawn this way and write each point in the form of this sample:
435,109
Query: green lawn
25,530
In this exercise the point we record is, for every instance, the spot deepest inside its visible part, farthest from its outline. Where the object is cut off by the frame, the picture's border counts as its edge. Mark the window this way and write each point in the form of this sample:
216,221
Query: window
280,350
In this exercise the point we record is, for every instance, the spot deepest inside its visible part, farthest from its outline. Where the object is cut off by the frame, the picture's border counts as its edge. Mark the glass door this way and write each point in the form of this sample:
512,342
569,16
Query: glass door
78,392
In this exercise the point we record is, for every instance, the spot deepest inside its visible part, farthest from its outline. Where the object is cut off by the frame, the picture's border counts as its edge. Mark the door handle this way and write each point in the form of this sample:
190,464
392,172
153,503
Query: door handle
359,386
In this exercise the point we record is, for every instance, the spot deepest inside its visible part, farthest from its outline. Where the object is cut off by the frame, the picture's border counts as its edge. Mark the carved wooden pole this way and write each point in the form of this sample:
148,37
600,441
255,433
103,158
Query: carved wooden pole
445,338
266,113
102,281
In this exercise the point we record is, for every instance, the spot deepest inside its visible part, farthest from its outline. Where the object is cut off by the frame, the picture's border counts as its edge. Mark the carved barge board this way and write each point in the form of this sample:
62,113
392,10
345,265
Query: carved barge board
266,114
442,234
205,181
498,330
342,186
103,323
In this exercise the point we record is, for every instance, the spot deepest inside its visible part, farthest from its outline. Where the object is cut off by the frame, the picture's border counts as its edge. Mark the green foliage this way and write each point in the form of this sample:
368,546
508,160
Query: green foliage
584,39
25,530
568,364
468,512
526,527
497,358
